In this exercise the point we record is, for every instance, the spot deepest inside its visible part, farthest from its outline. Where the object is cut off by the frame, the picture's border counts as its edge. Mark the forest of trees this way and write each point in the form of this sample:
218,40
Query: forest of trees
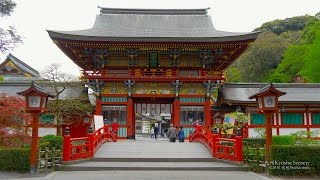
285,51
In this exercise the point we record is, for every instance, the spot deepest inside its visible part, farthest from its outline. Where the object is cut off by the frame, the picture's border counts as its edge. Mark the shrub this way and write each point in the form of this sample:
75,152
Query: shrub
283,140
51,141
14,159
255,141
295,160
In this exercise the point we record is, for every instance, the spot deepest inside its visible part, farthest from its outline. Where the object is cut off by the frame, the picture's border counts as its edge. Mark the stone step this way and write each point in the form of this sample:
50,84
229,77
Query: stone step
152,166
153,159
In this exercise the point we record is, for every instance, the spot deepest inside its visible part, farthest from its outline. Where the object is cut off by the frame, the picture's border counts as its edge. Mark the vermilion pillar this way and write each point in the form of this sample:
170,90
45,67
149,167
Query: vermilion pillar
130,122
207,113
34,144
98,106
268,134
176,112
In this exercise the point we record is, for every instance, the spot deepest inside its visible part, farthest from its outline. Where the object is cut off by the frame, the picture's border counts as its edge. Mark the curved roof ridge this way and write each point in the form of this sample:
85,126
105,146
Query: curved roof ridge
25,67
202,11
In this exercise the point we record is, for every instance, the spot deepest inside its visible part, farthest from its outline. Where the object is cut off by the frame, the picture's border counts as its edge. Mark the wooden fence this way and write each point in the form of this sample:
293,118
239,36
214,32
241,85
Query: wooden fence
255,157
48,159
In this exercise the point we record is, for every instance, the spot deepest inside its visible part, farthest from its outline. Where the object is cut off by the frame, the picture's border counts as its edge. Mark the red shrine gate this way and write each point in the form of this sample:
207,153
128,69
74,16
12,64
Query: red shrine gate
153,56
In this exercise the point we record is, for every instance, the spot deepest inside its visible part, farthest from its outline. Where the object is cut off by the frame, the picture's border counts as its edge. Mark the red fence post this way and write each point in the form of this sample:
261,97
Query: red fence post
91,140
66,145
106,131
214,143
238,153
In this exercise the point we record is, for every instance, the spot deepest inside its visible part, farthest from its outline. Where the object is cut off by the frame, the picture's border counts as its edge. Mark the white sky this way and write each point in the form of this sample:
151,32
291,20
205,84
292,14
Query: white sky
33,17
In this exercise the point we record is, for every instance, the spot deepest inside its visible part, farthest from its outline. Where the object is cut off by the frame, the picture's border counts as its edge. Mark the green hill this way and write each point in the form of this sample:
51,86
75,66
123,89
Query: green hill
285,51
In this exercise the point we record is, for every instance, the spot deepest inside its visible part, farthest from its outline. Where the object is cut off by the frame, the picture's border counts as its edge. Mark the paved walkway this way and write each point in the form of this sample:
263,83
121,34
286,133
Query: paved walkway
147,175
151,148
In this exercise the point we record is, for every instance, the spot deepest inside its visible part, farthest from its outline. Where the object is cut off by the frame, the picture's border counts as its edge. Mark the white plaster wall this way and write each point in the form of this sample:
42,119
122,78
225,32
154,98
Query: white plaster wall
274,131
288,131
315,129
253,134
47,131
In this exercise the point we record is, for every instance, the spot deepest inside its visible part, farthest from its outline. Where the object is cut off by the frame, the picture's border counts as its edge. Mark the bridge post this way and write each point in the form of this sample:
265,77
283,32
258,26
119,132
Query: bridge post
238,149
106,131
214,143
91,140
66,145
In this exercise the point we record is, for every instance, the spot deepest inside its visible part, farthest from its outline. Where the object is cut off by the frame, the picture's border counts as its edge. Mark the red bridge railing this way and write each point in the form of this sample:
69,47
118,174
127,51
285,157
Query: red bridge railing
221,148
86,147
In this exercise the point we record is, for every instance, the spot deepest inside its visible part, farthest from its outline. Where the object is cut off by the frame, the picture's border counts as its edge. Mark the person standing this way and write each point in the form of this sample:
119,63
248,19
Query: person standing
181,134
152,132
115,127
162,132
172,133
156,131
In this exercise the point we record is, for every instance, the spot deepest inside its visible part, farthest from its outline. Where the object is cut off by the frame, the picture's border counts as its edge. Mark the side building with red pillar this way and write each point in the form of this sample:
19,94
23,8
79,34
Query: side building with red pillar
153,66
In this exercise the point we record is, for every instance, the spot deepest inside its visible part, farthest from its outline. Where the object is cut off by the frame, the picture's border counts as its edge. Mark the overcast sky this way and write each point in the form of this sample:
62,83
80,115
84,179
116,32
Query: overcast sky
33,17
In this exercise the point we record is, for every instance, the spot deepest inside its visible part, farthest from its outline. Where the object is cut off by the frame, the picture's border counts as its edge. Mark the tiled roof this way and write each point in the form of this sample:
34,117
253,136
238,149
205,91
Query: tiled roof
296,92
11,89
23,66
179,25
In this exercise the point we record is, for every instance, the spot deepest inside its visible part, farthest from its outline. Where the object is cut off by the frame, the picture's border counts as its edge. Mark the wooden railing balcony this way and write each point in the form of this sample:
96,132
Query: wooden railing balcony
148,75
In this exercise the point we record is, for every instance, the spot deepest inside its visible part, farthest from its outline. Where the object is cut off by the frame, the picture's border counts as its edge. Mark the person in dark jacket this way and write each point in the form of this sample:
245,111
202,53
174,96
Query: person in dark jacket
181,134
156,131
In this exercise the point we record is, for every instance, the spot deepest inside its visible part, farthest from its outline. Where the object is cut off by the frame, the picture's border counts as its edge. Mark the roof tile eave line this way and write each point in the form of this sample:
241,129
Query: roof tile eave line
151,38
104,10
12,57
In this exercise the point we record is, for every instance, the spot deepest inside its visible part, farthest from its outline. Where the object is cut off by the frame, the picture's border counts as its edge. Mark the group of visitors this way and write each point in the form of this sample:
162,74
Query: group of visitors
173,133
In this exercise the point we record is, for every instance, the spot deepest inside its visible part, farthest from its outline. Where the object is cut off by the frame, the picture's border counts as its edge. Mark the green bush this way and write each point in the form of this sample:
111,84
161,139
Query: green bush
255,141
15,159
283,140
295,160
51,141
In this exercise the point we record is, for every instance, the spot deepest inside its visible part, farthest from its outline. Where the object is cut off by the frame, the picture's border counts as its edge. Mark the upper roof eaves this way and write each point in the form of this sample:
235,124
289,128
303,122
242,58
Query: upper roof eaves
179,25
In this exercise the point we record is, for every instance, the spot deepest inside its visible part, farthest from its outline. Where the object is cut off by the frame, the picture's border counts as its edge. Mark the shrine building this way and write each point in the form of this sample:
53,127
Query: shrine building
153,65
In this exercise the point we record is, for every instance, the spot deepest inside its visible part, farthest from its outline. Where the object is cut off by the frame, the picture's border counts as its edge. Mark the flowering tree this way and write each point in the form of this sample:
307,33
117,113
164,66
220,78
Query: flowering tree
13,120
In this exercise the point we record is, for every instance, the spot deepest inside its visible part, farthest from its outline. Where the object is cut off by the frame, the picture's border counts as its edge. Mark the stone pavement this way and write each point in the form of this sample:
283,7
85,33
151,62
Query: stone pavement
147,175
151,148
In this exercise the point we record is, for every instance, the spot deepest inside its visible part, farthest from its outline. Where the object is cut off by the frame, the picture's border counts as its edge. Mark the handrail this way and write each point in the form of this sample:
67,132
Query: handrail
86,147
218,147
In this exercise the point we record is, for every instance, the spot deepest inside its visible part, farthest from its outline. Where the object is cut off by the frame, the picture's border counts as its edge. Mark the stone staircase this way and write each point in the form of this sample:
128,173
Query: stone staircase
150,155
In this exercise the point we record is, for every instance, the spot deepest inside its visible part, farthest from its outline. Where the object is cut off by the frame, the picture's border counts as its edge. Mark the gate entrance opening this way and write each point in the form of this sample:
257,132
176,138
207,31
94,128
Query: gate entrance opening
151,112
